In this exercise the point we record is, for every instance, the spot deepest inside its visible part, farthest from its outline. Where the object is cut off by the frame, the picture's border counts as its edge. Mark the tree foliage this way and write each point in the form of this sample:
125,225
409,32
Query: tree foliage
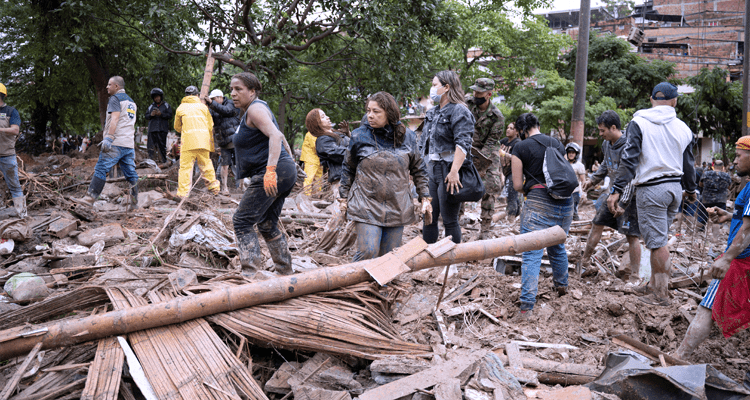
58,55
552,102
619,73
715,108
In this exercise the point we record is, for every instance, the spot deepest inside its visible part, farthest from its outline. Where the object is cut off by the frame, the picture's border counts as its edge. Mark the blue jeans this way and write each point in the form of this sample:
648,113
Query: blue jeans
539,212
441,205
124,156
9,168
374,241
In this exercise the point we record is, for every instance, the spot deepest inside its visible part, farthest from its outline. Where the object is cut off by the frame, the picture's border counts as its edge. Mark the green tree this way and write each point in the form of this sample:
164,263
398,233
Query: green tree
57,58
714,109
552,102
620,73
509,52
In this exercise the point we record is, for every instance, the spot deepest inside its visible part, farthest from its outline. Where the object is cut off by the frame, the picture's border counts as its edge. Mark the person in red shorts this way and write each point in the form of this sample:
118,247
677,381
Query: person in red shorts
727,300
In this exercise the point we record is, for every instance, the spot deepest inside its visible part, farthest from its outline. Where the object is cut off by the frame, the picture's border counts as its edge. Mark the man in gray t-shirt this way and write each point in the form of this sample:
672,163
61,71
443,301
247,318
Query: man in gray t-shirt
118,144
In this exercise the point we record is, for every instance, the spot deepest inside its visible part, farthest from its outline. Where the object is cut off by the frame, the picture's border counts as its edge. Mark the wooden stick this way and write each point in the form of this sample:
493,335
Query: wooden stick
442,290
652,352
11,386
286,396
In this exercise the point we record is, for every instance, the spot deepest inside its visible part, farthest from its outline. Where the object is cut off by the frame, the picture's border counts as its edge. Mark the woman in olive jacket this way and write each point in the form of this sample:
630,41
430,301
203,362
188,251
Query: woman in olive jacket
375,191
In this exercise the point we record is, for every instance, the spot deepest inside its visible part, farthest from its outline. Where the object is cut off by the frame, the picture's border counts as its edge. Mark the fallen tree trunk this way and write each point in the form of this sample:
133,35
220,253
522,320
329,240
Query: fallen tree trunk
16,342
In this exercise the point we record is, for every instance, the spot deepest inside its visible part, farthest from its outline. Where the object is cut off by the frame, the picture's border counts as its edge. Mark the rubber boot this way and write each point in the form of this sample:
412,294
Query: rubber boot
95,189
133,198
19,203
249,252
280,254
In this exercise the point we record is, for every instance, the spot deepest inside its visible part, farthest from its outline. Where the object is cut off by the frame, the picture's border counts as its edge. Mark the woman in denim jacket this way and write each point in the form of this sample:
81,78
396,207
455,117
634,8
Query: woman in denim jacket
375,193
446,140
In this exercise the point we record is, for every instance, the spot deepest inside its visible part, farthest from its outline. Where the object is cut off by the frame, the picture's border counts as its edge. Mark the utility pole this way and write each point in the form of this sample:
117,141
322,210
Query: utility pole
582,62
746,74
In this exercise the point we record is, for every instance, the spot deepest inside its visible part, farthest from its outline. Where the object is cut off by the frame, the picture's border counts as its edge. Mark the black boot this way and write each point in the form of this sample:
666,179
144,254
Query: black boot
280,254
249,251
133,197
95,189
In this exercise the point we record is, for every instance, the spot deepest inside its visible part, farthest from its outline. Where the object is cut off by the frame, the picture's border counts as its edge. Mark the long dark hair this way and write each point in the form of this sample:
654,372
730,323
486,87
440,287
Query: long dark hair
312,122
524,122
386,101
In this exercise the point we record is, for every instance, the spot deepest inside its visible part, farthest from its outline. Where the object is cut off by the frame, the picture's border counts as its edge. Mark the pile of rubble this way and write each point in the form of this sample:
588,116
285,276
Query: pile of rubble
329,332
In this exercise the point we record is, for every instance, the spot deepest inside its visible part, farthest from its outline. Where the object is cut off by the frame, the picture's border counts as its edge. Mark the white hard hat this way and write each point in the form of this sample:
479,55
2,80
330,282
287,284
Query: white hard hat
216,93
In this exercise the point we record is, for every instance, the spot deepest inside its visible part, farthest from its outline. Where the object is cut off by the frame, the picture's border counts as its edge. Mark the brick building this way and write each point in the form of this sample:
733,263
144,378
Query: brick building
692,34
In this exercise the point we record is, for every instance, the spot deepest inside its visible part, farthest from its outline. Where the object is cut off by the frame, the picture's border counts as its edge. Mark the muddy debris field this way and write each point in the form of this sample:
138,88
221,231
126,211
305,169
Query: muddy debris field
365,340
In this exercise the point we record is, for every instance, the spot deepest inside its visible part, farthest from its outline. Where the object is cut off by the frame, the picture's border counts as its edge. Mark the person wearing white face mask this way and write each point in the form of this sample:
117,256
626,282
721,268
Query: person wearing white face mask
446,140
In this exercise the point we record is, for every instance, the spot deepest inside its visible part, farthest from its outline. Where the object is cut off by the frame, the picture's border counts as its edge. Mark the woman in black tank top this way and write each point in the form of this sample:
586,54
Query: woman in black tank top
260,150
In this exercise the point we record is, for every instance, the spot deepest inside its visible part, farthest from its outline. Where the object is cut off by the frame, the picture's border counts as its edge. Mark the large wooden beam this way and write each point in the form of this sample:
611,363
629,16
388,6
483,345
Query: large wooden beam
15,342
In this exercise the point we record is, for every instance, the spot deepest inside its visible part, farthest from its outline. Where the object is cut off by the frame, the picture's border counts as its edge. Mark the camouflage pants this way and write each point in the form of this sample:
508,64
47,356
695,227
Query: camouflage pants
493,185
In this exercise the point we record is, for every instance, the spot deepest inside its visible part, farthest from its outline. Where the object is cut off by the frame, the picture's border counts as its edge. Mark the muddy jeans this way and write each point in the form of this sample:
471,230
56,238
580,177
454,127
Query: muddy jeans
374,241
441,205
539,212
9,168
256,208
124,156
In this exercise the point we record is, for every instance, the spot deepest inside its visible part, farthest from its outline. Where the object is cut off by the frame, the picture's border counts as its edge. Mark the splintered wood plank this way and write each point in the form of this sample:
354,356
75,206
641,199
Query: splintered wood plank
386,268
441,247
11,386
422,380
105,373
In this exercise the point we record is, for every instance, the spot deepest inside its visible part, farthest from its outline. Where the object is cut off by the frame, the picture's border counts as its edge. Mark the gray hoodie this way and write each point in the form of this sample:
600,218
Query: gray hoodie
658,150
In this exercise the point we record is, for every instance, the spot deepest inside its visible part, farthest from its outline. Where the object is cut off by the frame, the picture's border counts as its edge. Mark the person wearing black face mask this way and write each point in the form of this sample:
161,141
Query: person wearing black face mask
488,130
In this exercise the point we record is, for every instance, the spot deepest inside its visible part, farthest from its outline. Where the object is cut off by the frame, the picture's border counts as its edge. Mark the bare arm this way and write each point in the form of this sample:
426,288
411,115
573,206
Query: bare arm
516,167
740,243
453,180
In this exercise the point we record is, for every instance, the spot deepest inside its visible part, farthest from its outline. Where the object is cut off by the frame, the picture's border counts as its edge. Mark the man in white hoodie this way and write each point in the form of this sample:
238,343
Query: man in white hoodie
658,158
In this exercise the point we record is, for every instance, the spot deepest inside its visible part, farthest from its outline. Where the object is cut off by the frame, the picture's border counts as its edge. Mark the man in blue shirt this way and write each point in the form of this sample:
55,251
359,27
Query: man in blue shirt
736,257
10,123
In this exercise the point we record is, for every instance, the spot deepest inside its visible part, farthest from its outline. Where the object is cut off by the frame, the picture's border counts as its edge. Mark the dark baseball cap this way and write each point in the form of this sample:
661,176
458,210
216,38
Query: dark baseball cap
664,91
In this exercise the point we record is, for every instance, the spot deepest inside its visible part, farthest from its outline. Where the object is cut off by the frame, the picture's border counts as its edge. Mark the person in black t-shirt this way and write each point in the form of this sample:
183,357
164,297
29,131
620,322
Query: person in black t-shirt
513,207
540,211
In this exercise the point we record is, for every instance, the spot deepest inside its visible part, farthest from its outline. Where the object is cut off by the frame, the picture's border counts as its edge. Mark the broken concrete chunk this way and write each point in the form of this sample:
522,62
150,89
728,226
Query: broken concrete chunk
74,261
26,286
111,234
399,365
183,278
147,199
279,381
450,389
62,227
111,191
306,392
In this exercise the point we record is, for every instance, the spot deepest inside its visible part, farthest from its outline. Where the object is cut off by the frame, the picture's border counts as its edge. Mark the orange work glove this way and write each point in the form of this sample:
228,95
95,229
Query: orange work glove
269,181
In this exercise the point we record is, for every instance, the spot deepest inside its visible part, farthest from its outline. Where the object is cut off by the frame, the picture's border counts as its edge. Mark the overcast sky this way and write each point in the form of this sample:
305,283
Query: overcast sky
571,4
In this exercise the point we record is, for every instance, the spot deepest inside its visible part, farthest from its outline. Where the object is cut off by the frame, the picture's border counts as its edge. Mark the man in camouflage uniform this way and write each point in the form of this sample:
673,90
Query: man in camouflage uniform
488,131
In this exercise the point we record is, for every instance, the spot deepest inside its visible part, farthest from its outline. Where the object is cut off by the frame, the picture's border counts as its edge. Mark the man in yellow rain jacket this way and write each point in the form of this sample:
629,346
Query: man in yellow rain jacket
309,156
194,125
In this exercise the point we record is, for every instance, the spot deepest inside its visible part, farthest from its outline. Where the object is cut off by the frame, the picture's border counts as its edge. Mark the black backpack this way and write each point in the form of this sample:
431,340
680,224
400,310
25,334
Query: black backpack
561,180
